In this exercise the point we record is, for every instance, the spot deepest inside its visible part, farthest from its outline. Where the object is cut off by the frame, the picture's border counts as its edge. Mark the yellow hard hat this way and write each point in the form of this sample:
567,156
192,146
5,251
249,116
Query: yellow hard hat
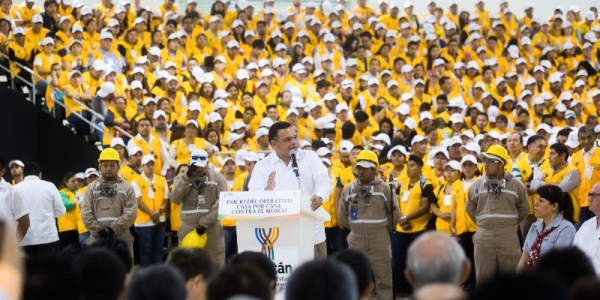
109,154
367,156
194,240
496,152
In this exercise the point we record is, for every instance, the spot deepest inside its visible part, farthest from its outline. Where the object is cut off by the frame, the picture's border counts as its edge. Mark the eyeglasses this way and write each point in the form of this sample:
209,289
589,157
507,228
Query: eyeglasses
490,161
593,195
200,158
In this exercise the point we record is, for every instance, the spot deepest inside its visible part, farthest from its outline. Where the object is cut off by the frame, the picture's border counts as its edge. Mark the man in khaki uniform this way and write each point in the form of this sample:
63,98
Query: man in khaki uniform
365,209
109,206
497,202
198,191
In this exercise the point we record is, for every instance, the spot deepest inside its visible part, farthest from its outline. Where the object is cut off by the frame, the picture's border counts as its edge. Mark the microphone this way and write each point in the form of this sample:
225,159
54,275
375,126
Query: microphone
294,162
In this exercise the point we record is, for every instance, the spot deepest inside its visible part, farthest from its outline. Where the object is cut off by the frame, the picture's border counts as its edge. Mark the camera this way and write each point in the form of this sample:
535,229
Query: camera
198,182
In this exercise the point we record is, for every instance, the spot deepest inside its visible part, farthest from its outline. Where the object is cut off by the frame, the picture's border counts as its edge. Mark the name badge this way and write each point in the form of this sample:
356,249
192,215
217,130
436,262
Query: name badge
201,200
353,213
150,193
405,196
447,200
588,172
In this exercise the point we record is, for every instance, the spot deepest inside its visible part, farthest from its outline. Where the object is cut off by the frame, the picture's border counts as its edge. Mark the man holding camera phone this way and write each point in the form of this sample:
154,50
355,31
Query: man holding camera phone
198,193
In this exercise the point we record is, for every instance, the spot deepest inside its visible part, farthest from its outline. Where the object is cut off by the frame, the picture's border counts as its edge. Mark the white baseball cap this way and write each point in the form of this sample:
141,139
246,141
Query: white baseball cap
220,103
117,142
261,132
417,139
147,158
397,148
194,106
16,162
199,158
91,172
214,117
346,147
382,137
106,89
159,113
234,136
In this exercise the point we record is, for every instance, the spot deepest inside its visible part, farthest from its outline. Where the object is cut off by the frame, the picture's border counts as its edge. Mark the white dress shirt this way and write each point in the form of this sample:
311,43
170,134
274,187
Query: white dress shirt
587,239
12,205
313,177
45,204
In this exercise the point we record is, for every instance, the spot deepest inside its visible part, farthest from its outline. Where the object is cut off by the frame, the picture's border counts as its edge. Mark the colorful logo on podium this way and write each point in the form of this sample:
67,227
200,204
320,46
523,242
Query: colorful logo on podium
267,238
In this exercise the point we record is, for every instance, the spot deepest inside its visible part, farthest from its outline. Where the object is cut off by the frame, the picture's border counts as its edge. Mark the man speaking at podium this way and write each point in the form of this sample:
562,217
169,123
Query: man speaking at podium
289,168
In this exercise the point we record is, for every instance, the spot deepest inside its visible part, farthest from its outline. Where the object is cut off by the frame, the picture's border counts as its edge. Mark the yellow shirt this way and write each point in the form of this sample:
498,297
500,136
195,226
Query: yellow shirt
410,200
153,194
69,220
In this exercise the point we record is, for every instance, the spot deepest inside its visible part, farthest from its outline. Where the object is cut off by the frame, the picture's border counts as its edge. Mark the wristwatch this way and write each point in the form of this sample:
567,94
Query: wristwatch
403,218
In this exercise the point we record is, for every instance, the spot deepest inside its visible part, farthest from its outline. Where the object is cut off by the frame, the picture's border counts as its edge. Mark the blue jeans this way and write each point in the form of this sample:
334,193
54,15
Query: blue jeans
40,87
150,242
80,126
231,246
99,133
83,237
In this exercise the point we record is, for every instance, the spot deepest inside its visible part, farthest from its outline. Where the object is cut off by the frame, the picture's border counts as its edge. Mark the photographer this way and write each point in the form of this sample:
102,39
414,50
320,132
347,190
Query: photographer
365,210
198,193
109,205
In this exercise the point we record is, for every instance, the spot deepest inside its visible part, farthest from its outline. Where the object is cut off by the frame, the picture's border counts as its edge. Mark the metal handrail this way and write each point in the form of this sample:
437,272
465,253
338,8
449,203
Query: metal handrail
28,83
234,152
81,104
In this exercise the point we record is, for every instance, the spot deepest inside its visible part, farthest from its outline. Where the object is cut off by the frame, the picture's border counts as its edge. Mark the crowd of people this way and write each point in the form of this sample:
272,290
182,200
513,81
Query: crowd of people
478,123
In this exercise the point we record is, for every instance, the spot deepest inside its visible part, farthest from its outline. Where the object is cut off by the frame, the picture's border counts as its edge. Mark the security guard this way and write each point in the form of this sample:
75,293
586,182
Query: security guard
368,208
198,192
109,205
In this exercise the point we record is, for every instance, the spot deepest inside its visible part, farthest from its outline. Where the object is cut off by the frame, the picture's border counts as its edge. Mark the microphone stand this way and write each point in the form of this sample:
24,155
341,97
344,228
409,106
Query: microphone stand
295,168
392,184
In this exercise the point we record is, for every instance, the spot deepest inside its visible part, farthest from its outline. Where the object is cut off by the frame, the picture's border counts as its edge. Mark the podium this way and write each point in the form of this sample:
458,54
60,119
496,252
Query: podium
279,224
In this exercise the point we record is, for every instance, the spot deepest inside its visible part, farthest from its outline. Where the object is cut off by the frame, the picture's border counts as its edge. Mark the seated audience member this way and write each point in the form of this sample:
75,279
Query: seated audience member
157,282
101,274
261,263
239,281
118,248
554,210
360,265
519,287
435,257
439,291
322,280
46,277
587,289
566,265
197,268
